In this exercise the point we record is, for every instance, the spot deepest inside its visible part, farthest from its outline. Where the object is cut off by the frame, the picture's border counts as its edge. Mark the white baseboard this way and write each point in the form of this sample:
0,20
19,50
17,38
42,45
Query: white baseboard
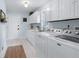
2,53
29,50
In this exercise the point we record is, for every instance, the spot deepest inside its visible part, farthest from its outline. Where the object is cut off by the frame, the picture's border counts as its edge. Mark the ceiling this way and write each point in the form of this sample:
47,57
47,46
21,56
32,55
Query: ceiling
17,5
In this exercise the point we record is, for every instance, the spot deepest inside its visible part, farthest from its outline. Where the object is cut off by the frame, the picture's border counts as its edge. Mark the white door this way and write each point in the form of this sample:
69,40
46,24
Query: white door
16,27
12,27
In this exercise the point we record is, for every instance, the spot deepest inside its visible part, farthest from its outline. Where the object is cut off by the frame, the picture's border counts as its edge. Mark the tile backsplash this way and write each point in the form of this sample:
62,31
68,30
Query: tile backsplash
72,24
35,26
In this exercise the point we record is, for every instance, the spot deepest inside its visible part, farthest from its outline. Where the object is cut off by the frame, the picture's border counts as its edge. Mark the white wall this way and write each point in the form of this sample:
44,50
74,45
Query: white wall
15,19
3,33
3,37
2,5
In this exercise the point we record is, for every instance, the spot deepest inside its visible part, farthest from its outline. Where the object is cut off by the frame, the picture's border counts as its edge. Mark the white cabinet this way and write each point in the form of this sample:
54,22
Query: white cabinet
51,48
43,19
66,9
31,38
46,12
45,46
50,11
57,49
76,2
42,46
35,18
53,10
67,51
63,9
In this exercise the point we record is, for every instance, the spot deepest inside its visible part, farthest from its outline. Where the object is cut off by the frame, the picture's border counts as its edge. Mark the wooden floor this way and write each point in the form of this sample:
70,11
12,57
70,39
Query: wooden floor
15,52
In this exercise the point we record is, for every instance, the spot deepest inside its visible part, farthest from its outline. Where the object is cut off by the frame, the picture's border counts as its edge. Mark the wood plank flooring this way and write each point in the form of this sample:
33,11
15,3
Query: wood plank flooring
15,52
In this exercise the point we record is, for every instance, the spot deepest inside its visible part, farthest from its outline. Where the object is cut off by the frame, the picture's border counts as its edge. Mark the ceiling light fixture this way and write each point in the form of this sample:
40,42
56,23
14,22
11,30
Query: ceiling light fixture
48,9
26,3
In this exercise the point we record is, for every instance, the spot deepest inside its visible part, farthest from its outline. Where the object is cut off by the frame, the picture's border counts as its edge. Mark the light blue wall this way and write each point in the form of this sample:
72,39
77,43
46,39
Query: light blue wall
64,24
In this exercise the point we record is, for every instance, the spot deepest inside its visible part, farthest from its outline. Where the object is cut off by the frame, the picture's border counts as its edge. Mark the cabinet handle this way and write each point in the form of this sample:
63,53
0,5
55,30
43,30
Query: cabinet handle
58,44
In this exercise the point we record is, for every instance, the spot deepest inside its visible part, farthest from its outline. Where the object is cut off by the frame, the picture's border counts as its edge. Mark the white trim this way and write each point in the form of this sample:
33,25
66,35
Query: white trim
2,53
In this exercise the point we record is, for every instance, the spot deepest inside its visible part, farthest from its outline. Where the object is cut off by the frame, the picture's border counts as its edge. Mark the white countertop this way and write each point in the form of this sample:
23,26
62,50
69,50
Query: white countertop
63,41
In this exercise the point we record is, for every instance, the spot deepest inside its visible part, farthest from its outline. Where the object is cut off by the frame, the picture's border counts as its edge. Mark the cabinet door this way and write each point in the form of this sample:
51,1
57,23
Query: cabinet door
42,47
66,51
47,11
35,18
66,9
53,51
47,15
60,50
53,10
45,46
76,7
31,19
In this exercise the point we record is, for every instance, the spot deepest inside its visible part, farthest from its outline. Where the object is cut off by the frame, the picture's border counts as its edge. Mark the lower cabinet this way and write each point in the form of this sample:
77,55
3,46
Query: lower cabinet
60,50
41,45
54,49
67,51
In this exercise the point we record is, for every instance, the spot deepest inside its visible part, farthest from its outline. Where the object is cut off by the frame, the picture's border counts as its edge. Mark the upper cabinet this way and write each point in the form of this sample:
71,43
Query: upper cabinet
57,10
53,10
50,11
35,18
76,7
66,9
45,14
63,9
